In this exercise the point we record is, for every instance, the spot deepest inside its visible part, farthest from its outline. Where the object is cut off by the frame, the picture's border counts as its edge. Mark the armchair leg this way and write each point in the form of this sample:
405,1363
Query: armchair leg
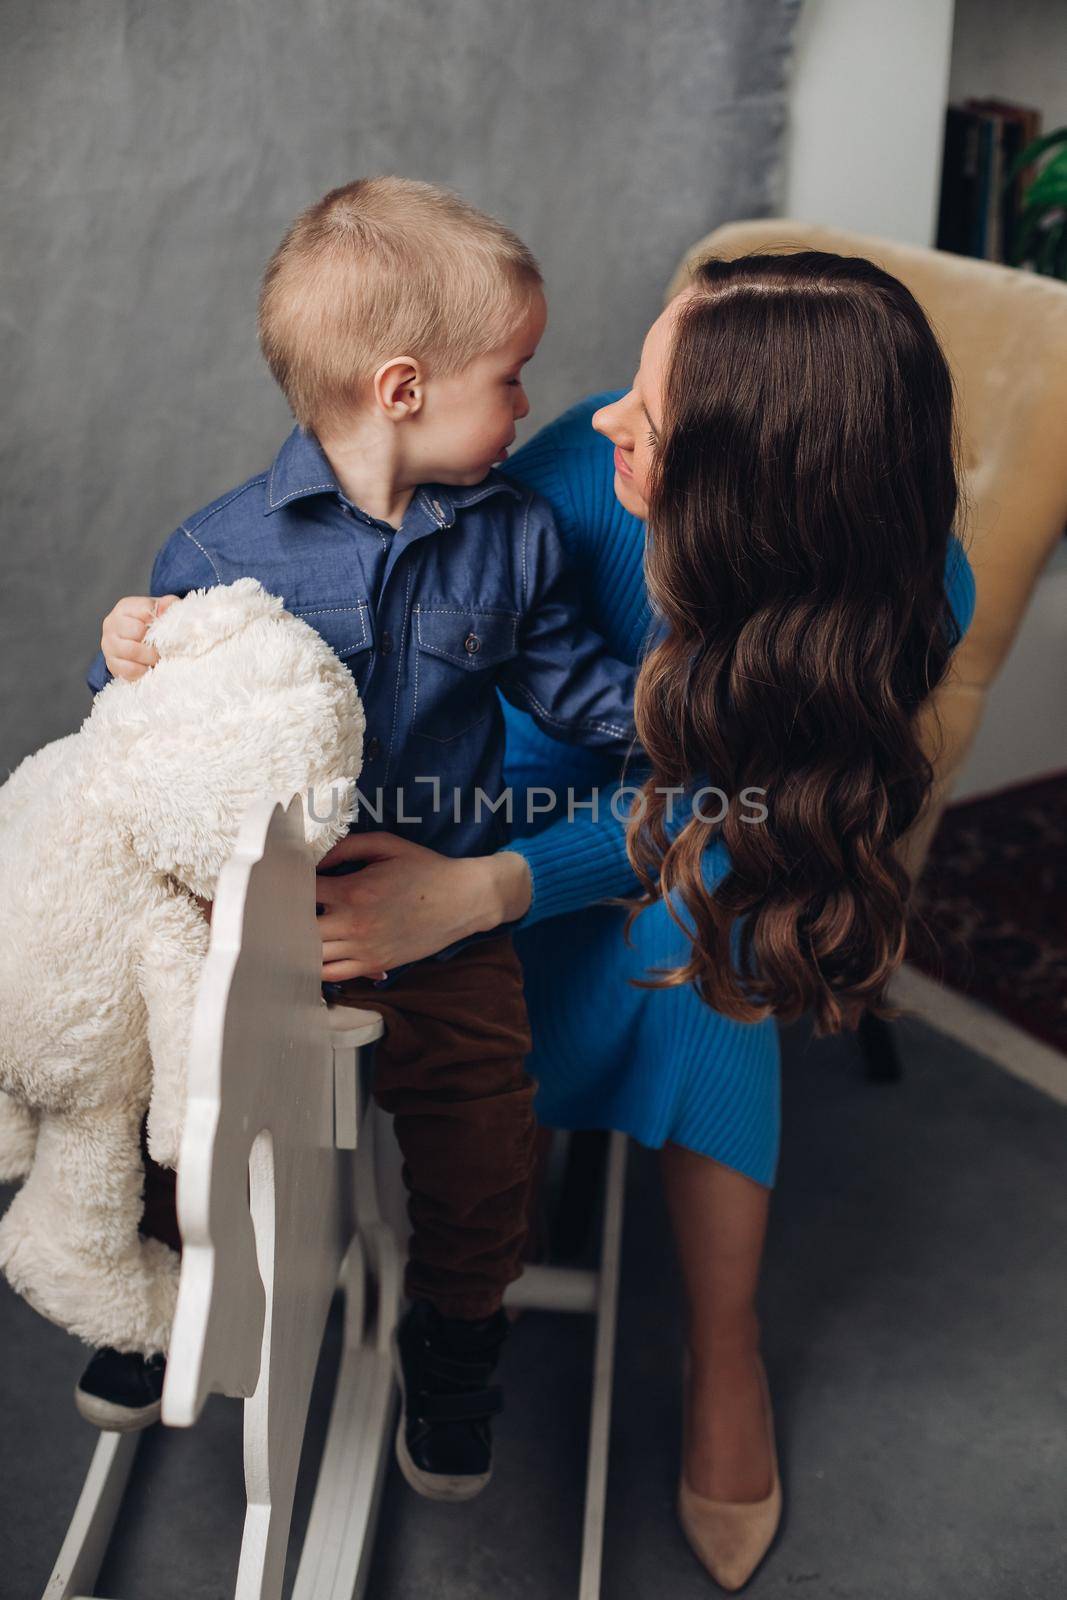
879,1047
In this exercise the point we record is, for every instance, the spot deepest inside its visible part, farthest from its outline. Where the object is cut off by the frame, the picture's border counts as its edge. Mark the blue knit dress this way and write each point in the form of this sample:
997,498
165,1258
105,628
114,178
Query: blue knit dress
657,1064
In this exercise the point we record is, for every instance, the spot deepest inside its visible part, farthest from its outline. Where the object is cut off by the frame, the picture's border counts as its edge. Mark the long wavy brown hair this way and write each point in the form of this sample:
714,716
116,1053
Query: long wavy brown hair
803,493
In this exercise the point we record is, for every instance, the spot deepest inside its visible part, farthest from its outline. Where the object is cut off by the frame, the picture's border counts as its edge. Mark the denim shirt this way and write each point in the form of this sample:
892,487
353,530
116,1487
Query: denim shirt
470,594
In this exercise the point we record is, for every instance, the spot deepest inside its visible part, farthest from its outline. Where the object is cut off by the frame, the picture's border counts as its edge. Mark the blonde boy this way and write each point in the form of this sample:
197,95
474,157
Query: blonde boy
397,319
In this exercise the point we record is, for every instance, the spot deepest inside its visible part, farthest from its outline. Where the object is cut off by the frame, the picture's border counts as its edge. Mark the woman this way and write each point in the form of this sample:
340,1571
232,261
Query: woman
789,437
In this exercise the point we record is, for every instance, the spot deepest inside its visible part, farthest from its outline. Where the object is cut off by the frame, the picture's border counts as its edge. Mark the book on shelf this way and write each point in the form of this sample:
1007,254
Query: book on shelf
978,215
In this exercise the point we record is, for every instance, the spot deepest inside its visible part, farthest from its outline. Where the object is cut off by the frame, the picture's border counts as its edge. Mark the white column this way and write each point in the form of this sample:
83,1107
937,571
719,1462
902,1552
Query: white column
867,116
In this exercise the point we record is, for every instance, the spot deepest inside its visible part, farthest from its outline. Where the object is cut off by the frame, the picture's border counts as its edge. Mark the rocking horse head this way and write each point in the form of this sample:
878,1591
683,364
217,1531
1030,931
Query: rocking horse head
245,701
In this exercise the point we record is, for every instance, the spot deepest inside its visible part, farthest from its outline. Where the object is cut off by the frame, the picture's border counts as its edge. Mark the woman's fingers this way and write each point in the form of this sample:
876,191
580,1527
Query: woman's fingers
353,950
336,892
407,902
329,890
341,971
365,847
341,962
344,930
336,925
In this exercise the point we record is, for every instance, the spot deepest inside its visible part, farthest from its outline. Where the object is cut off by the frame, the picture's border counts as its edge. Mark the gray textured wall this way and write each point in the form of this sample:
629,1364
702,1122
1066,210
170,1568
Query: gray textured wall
155,153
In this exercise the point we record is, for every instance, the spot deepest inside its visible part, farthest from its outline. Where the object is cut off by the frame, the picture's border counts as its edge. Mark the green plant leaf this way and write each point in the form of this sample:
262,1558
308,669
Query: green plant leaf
1049,188
1034,149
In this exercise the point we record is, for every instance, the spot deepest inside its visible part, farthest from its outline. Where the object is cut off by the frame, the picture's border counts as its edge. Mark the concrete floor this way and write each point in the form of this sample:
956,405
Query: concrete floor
914,1310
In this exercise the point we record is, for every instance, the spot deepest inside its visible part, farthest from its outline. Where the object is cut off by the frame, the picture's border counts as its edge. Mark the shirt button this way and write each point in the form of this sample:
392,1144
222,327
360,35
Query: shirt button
385,643
472,644
373,749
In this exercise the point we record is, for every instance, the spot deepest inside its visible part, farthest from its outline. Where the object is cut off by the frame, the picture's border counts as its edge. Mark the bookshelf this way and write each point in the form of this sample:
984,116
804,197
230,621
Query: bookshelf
1007,83
1018,54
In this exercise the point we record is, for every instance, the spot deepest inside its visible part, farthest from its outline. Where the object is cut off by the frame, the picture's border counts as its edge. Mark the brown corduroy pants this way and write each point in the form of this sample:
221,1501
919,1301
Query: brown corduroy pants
450,1070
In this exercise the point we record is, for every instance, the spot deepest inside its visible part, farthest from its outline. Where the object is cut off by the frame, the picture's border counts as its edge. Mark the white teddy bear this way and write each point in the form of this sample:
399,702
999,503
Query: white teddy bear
105,838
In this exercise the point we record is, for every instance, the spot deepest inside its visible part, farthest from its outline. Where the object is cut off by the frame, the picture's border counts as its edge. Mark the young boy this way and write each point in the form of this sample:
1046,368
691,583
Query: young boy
397,319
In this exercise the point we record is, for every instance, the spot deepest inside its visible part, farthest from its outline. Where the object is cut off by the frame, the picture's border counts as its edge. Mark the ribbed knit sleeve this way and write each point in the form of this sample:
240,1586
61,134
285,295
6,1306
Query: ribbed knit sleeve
573,866
576,863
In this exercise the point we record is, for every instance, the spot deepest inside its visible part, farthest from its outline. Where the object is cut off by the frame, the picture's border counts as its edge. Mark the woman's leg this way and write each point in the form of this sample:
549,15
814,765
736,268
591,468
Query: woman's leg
719,1219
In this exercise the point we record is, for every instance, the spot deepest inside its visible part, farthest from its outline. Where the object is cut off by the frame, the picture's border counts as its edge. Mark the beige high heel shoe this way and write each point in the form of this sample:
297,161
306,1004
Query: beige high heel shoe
731,1537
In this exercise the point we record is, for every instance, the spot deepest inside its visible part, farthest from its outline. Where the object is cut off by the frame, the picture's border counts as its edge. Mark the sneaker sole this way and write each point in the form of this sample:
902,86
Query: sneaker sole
112,1418
431,1485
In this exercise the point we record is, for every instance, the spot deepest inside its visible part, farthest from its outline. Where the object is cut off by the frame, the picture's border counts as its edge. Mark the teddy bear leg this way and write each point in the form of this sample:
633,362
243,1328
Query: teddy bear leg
18,1138
69,1242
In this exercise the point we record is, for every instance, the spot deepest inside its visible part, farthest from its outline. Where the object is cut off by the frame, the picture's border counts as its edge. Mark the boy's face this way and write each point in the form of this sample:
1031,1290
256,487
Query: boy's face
468,420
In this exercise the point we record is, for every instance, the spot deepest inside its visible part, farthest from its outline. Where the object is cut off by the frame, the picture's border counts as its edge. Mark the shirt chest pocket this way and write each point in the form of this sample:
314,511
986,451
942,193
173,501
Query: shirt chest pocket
456,652
347,627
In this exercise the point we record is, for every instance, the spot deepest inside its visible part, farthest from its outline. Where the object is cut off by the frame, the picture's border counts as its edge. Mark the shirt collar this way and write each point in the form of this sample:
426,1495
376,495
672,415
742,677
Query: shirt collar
301,469
298,470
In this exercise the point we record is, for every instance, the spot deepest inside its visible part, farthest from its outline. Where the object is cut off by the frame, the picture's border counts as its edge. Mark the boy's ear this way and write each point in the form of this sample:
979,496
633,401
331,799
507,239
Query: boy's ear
398,388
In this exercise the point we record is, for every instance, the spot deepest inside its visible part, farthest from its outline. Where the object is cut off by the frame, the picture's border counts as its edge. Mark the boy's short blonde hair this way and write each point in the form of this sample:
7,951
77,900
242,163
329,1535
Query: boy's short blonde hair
386,267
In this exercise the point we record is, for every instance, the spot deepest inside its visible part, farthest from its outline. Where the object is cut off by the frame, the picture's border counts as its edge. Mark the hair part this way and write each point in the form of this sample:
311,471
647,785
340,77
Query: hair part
802,499
386,267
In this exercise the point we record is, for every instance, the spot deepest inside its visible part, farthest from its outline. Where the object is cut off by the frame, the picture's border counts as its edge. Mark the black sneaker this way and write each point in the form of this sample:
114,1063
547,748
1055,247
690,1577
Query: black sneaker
443,1442
121,1393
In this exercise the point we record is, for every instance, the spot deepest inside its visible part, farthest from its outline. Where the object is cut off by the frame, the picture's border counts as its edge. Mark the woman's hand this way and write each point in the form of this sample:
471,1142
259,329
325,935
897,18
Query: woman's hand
408,902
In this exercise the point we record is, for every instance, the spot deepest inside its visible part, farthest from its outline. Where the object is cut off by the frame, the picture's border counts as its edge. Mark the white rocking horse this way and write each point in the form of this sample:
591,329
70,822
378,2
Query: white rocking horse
288,1189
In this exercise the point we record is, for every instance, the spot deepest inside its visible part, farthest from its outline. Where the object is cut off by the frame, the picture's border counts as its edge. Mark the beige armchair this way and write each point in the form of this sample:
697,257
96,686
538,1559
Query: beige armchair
1005,334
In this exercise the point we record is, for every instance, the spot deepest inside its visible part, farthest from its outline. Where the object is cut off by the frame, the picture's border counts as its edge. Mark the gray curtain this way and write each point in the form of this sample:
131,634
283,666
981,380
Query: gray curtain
155,154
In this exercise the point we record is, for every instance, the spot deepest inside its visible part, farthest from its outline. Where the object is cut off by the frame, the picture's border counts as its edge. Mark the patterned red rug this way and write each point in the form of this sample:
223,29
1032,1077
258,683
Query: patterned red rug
993,896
